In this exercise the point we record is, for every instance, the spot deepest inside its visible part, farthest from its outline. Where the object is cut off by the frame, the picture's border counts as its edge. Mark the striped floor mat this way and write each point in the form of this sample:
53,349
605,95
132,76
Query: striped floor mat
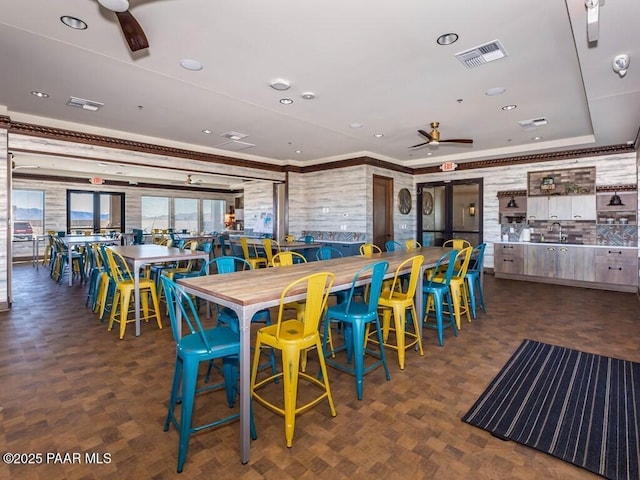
579,407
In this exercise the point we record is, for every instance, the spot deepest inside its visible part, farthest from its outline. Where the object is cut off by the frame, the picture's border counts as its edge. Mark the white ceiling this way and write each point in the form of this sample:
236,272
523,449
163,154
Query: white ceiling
370,62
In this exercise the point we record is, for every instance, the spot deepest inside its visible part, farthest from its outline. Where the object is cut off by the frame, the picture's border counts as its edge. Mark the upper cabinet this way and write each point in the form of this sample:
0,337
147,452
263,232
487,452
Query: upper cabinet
575,207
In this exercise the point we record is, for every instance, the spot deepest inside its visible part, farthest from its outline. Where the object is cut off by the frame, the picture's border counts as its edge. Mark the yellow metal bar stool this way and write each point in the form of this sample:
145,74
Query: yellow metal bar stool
124,294
395,301
292,338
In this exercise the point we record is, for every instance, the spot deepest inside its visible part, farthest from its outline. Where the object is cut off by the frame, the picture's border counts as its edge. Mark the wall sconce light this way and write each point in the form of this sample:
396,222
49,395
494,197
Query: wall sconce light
472,209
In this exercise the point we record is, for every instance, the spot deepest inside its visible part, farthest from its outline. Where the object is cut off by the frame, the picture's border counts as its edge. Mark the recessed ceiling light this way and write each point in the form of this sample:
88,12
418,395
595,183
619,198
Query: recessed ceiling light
308,95
355,125
429,154
447,39
189,64
207,131
538,137
40,94
378,135
298,151
102,164
509,107
280,84
73,22
286,101
495,91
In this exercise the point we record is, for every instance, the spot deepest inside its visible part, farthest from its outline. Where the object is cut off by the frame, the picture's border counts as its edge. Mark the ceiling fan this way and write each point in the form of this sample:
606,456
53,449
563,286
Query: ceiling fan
433,137
131,29
189,181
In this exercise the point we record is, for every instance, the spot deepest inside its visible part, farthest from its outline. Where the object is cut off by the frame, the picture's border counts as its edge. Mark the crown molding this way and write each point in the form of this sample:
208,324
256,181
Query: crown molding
112,142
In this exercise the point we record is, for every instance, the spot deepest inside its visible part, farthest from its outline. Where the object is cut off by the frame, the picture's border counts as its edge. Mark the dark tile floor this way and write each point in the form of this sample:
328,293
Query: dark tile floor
69,386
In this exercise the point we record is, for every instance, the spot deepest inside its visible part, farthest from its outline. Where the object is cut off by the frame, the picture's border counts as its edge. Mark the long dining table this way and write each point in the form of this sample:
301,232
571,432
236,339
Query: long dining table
140,255
247,292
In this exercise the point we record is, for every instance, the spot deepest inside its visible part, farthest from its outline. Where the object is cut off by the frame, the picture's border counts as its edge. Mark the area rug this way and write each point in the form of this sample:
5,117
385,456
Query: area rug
579,407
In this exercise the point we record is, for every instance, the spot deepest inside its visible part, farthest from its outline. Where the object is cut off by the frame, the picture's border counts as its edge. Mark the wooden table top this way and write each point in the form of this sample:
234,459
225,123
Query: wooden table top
87,239
265,285
151,252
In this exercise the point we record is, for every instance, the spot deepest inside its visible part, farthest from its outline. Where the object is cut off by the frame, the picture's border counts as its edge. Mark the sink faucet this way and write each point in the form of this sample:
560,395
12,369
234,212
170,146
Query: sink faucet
559,230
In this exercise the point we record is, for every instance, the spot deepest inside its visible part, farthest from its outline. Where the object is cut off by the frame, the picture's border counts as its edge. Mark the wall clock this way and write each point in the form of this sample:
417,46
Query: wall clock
404,201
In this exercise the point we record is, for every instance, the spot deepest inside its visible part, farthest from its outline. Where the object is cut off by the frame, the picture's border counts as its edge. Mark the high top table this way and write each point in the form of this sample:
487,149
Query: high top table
71,240
141,255
247,292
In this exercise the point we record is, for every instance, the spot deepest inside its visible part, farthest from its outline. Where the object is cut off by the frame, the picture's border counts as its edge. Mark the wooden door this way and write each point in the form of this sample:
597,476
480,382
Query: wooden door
382,210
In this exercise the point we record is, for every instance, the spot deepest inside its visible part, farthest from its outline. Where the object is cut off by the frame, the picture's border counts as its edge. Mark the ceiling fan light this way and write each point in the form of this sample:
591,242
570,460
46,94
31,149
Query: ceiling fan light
115,5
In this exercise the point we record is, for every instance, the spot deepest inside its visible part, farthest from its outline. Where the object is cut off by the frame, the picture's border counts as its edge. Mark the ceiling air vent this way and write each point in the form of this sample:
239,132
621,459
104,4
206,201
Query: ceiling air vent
235,146
533,123
479,55
84,104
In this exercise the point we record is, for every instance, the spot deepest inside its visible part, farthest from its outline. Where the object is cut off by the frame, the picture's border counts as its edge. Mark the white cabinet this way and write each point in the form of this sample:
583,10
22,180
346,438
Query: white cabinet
559,208
562,207
537,208
583,207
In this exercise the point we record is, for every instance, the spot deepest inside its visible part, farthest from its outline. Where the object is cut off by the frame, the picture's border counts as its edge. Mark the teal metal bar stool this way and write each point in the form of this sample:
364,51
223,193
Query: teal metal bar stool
198,345
356,316
473,279
436,291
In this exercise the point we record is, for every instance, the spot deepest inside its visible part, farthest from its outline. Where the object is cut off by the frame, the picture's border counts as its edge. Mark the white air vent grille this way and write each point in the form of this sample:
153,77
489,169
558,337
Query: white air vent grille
84,104
533,123
482,54
235,146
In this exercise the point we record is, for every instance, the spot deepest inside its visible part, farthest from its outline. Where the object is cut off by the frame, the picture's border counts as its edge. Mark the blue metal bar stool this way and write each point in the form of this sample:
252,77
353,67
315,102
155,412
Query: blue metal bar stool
436,293
356,316
198,345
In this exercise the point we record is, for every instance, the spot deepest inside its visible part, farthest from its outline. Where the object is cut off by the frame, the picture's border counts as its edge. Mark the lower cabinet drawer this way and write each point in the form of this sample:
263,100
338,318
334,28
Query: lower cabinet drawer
617,270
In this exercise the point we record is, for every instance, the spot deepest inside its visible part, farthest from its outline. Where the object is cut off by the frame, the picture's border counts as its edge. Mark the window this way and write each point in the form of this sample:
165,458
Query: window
94,211
213,215
183,214
28,213
186,214
155,213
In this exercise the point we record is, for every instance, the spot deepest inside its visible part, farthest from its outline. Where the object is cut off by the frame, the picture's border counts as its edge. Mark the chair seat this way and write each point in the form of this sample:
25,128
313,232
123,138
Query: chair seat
222,342
290,332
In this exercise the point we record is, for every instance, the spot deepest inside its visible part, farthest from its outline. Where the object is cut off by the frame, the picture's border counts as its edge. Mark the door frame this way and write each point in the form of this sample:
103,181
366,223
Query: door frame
449,184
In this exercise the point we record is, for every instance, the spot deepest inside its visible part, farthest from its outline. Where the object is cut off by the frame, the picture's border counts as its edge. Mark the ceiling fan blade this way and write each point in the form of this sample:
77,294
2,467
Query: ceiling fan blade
419,145
133,33
458,140
426,134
